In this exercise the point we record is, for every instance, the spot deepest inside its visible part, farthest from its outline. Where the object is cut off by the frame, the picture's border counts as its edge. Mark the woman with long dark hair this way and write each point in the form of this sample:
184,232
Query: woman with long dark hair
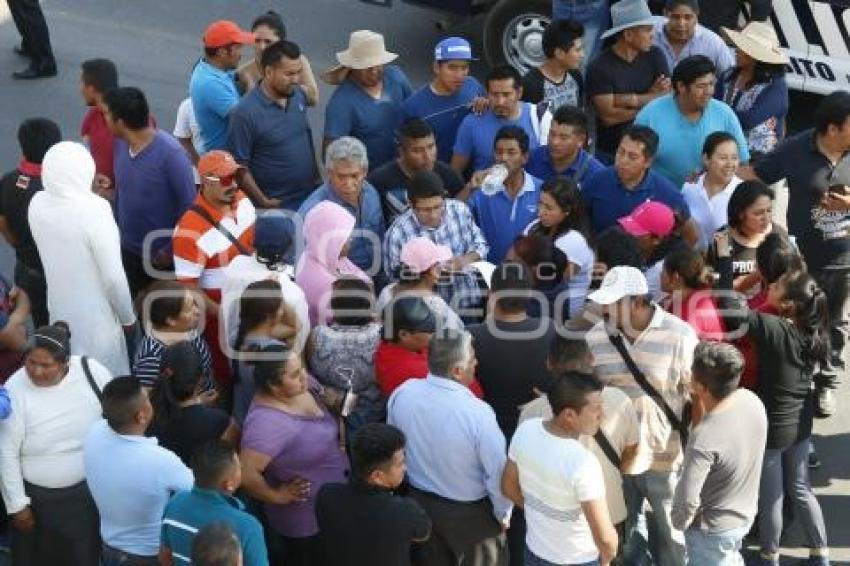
561,216
263,322
182,421
688,281
790,345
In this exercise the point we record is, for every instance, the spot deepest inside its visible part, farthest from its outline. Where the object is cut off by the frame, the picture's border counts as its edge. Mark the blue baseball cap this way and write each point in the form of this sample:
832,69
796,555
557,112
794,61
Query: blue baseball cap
453,48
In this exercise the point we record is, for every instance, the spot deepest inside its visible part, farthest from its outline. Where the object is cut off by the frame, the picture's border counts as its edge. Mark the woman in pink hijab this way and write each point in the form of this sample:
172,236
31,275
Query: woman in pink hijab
327,231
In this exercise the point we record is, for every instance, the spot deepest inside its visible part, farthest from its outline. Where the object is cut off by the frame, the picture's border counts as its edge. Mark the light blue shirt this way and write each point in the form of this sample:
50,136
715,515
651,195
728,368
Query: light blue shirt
680,140
455,448
369,217
214,94
704,42
131,479
476,135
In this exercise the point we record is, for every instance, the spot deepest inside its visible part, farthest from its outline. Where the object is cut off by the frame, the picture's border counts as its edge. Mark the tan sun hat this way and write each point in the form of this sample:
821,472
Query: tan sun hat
365,49
759,41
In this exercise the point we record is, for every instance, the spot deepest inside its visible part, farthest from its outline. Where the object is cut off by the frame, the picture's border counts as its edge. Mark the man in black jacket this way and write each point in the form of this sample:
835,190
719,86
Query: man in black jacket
35,39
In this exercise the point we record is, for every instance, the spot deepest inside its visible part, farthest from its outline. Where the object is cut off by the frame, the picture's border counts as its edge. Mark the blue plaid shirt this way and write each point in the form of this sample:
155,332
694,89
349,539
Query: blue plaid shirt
457,231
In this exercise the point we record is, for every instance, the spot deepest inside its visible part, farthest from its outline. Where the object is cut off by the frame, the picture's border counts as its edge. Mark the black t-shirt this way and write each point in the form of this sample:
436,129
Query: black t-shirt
361,524
16,192
392,183
609,74
822,236
191,427
510,367
536,88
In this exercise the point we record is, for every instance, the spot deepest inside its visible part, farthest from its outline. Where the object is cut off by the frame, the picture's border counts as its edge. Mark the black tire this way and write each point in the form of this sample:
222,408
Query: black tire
498,50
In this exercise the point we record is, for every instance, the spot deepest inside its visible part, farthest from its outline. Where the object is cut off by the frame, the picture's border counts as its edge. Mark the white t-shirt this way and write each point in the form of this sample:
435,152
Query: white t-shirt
556,475
708,213
622,429
579,253
186,126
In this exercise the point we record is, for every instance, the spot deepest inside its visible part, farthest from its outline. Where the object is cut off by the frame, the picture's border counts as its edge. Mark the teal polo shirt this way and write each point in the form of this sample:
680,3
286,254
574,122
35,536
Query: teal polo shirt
189,511
680,141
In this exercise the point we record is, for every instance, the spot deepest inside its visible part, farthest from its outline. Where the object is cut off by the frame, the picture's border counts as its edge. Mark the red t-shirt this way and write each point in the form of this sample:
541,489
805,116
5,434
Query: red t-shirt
394,365
750,375
700,311
100,141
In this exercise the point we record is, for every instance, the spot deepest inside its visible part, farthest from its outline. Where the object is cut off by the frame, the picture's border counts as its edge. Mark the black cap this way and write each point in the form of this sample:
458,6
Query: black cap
272,235
412,314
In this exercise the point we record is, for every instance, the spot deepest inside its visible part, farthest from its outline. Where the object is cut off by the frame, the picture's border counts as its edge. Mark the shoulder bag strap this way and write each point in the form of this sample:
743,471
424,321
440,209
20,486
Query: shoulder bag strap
606,447
202,212
677,423
90,378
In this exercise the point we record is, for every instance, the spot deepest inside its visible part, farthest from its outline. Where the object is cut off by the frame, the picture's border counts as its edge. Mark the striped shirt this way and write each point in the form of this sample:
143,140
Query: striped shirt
148,361
201,251
664,352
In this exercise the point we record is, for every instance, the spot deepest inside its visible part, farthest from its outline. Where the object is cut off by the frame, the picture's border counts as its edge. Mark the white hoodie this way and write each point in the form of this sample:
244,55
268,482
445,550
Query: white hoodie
80,248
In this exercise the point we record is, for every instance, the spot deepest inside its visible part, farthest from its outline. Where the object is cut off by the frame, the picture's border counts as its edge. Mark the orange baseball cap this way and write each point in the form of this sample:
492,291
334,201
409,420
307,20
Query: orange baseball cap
225,32
217,163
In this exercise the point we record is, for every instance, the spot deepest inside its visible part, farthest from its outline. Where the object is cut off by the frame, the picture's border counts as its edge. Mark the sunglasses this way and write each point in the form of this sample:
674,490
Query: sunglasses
223,180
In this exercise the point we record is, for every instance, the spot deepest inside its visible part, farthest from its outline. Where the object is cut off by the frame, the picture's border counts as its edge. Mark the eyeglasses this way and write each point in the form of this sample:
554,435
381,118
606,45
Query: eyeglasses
223,180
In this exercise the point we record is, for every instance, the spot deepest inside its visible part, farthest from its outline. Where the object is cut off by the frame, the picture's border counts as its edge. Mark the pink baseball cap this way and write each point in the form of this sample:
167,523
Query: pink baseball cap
421,254
651,218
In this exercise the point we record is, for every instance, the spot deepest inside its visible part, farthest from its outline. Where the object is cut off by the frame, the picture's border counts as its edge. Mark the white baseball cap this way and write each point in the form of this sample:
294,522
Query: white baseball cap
621,281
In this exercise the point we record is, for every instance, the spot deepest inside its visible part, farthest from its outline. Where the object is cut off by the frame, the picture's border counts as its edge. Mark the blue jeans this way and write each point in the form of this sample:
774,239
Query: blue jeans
656,538
532,559
715,549
592,14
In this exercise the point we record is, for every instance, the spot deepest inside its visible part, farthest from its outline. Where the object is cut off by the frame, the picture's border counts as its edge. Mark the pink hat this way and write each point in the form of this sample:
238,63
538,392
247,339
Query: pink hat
421,254
650,218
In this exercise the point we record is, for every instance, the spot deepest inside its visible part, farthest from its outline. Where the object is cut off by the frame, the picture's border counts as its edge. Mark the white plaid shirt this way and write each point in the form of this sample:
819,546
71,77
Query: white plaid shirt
457,231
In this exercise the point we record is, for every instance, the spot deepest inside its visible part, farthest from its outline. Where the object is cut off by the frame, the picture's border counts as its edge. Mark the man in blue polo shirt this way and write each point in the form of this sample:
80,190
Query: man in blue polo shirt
474,143
212,86
615,191
564,155
449,97
688,115
217,477
269,134
346,164
504,215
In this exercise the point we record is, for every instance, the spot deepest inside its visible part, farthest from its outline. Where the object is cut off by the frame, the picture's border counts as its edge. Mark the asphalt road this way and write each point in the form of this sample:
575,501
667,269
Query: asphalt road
156,42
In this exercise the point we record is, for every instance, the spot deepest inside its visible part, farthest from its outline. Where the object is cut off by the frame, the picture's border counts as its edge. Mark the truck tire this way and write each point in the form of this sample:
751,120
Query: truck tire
513,33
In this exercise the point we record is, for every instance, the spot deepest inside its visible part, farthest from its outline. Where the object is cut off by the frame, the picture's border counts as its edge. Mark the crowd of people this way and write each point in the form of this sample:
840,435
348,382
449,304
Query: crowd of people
541,319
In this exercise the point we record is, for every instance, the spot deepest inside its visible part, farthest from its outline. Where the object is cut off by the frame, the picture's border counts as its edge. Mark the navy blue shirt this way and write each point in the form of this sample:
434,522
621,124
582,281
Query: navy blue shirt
503,219
608,200
443,112
275,143
582,168
353,112
369,217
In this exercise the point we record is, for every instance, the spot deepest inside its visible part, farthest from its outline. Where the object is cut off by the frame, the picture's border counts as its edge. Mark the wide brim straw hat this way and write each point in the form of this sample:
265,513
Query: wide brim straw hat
759,41
365,49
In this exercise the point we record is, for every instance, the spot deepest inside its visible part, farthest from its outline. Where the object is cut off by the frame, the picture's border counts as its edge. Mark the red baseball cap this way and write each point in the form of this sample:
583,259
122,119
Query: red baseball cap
225,32
650,218
217,163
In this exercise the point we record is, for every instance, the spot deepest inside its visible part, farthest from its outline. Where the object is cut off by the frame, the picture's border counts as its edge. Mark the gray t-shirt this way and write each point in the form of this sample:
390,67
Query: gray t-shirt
719,485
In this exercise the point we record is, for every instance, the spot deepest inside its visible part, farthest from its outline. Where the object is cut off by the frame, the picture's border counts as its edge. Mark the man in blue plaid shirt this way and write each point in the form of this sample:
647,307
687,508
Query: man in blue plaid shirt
446,222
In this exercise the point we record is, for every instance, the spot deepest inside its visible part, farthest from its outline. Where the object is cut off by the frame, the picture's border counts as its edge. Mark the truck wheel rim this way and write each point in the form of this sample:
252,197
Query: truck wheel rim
522,40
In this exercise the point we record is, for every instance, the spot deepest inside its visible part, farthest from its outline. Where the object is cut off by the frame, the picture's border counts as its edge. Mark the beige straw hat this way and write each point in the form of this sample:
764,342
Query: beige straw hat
759,41
365,49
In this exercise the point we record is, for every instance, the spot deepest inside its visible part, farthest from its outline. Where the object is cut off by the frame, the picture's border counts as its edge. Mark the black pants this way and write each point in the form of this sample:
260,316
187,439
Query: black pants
35,38
67,528
463,534
836,285
138,277
34,284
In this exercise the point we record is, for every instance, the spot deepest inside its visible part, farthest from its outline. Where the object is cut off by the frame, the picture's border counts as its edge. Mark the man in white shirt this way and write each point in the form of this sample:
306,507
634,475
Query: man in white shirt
559,482
131,478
